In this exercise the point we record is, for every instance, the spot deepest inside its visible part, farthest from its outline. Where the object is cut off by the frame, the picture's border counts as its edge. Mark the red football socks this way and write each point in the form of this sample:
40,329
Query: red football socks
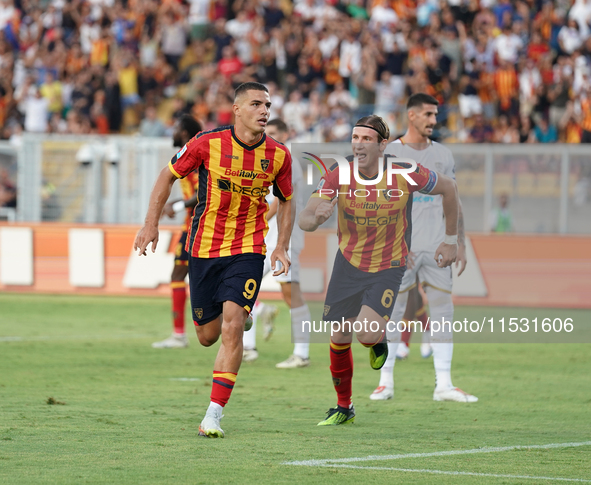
341,368
179,297
223,383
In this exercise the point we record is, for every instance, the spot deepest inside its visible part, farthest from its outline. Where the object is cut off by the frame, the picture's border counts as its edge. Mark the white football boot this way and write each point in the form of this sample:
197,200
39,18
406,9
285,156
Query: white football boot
402,352
210,426
426,350
453,394
382,393
175,341
293,362
249,355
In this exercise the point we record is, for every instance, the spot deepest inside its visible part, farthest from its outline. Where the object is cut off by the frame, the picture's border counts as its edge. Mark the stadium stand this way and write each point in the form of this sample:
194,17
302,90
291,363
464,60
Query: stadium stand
504,70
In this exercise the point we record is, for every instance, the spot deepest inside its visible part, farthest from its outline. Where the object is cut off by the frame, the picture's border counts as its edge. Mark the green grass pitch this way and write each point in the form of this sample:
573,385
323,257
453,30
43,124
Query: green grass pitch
124,413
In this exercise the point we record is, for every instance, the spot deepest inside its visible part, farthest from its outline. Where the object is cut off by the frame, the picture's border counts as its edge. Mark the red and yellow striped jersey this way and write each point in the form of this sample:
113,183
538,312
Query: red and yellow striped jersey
234,179
374,225
189,186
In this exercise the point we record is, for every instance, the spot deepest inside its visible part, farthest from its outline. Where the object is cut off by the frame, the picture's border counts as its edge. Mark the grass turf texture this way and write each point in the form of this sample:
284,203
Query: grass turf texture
118,417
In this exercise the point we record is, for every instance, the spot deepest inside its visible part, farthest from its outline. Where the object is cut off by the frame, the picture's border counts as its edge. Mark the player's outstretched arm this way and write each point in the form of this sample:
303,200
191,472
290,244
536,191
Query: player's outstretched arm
447,251
160,193
284,226
316,213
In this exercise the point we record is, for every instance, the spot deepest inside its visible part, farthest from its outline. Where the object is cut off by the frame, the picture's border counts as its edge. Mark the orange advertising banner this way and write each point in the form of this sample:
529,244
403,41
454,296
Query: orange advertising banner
515,270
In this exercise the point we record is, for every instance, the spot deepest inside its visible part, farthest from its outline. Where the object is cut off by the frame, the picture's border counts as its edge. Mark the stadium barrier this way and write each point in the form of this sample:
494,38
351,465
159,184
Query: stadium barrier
508,270
108,179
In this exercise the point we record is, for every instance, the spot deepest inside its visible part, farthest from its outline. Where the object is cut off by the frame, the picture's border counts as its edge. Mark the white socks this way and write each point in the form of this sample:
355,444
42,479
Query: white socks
387,372
442,354
214,409
300,338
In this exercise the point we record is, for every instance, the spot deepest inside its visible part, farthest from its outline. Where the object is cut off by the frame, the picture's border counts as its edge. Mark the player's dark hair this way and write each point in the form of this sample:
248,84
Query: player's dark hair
417,100
190,125
377,123
249,86
279,124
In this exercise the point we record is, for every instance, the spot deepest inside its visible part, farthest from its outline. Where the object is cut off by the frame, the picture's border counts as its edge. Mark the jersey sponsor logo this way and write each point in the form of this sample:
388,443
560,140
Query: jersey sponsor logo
371,206
182,152
372,221
265,164
245,174
423,198
395,264
229,186
233,157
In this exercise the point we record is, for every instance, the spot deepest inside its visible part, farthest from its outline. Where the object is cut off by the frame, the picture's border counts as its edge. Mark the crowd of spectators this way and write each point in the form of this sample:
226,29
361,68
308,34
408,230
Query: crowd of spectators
504,71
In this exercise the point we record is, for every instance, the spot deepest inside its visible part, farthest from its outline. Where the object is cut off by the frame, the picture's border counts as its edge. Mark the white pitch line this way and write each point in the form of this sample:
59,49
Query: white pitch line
72,337
436,453
184,379
443,472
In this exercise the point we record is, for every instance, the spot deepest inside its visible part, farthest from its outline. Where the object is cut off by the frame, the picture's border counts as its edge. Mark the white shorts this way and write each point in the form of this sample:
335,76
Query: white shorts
429,274
294,270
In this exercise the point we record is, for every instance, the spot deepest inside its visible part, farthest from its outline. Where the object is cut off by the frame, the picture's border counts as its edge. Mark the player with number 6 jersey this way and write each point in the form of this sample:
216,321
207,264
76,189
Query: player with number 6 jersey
374,230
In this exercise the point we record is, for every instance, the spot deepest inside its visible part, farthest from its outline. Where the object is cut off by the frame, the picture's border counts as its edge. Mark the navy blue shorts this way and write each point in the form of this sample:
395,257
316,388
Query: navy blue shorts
213,281
181,257
350,288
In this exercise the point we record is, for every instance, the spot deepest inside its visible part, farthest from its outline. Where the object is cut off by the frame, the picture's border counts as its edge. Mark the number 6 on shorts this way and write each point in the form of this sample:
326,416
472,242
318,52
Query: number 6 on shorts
387,298
249,289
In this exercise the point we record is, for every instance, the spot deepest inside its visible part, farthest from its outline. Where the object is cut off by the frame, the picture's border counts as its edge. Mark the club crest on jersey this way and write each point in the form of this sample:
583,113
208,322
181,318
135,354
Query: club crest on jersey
439,166
387,195
265,164
199,312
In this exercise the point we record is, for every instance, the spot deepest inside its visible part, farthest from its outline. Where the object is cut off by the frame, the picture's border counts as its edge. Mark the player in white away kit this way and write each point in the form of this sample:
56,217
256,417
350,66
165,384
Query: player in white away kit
290,283
428,231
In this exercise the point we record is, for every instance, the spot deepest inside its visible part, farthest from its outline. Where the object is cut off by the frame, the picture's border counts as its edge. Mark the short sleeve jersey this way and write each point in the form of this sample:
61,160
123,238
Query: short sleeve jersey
374,221
234,179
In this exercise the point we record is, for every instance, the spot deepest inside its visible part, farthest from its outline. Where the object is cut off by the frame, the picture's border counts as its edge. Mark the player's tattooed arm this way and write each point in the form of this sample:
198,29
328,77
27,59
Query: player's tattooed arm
461,257
461,230
446,253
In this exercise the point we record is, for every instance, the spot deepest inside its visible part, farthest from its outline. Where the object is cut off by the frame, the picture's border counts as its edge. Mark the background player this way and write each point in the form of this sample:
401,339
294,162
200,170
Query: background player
185,128
416,311
373,247
429,230
237,167
290,283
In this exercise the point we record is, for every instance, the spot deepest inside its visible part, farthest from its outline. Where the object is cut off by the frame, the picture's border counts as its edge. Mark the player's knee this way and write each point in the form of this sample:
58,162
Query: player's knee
206,338
233,329
207,341
179,273
440,304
